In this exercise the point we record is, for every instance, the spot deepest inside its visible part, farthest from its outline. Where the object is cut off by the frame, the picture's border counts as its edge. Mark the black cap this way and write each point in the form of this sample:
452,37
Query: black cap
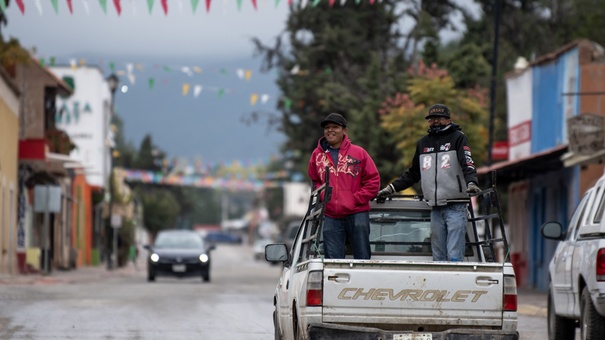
438,110
335,118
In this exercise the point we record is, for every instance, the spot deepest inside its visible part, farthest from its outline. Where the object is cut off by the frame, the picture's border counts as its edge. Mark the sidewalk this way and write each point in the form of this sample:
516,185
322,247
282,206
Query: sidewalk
79,275
532,302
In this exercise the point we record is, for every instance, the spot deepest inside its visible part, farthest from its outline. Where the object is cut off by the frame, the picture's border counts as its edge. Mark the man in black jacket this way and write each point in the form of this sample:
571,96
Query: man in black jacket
444,166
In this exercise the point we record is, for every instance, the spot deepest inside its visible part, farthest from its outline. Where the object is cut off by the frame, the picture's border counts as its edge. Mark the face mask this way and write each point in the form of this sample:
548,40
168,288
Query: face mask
437,128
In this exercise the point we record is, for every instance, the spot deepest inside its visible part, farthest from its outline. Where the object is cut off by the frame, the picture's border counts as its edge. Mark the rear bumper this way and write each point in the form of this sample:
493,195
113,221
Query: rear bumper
166,269
332,332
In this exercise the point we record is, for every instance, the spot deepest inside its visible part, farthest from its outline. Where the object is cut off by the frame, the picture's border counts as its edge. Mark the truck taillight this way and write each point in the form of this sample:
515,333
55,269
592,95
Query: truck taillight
510,294
601,265
314,289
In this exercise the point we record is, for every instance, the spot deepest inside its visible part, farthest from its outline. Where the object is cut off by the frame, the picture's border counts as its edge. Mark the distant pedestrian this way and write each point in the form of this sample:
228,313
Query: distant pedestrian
133,255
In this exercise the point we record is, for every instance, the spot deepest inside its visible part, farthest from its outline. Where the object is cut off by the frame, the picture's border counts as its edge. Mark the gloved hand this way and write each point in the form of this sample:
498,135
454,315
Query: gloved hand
386,192
472,188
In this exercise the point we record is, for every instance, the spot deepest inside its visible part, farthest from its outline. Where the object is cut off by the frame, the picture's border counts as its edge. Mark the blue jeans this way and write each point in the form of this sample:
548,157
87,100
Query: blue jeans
355,228
448,231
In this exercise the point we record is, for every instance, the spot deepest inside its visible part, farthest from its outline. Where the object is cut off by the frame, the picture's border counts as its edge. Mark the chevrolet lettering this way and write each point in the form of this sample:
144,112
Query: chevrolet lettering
411,295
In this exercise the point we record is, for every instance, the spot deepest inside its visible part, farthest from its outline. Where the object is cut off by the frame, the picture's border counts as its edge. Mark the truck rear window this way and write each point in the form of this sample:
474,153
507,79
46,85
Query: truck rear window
396,232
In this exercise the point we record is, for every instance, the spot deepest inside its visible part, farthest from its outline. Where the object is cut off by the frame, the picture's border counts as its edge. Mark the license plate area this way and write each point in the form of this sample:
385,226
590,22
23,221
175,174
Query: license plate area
413,336
179,268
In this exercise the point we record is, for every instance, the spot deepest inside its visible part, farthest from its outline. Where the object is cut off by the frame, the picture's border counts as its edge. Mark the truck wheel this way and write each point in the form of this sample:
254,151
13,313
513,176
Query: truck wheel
592,324
559,328
277,332
296,327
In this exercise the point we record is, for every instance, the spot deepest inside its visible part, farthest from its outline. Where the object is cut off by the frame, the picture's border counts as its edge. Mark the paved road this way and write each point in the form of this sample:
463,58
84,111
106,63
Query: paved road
93,303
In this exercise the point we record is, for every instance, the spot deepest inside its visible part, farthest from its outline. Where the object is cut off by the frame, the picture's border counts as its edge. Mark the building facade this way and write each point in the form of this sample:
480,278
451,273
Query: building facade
9,130
542,99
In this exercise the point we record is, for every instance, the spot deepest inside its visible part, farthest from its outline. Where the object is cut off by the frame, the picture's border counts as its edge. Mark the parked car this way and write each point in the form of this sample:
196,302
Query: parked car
259,247
223,237
576,296
179,253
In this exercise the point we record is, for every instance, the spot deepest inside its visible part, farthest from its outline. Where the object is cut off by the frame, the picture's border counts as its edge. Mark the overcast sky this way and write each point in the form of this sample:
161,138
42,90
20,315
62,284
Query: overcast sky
215,40
224,32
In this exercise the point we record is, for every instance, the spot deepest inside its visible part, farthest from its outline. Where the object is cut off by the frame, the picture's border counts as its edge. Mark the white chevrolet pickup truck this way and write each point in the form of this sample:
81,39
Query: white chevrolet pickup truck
401,293
577,270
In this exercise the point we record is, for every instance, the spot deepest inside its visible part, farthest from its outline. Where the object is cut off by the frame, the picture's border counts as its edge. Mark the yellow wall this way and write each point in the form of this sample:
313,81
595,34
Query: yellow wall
9,144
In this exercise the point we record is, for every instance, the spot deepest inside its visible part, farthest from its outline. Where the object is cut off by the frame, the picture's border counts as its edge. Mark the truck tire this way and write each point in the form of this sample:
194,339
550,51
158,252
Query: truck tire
592,325
296,326
559,328
277,332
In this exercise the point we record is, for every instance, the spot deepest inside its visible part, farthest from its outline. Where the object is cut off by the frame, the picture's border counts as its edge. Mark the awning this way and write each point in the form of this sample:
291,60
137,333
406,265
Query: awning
571,159
526,167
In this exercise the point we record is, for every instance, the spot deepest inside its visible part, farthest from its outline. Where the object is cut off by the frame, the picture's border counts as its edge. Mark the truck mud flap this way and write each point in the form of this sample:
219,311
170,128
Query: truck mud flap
333,332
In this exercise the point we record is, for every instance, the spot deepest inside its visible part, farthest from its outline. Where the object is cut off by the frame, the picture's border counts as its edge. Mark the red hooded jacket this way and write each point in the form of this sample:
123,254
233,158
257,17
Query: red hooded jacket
354,180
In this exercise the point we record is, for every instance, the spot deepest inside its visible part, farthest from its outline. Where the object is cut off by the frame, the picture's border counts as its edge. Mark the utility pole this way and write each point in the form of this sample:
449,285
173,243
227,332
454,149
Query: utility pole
113,82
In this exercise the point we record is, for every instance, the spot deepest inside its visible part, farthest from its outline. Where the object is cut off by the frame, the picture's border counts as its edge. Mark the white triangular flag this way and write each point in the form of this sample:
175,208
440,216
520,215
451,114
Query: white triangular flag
86,8
240,73
39,6
129,67
131,78
343,2
187,71
295,69
133,5
264,98
73,64
303,3
197,89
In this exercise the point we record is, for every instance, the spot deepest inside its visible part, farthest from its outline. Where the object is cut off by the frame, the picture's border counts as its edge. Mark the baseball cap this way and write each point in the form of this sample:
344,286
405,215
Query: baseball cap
438,110
335,118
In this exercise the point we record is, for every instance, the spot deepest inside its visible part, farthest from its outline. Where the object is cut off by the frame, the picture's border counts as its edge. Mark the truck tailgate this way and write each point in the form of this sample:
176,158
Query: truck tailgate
420,293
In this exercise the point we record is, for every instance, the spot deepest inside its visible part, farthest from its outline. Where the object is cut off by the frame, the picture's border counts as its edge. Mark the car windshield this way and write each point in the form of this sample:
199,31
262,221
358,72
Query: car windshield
179,240
400,232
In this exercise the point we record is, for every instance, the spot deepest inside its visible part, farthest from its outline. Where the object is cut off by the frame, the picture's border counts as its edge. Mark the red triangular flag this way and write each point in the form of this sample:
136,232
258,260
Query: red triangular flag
332,3
118,7
165,6
371,2
71,10
208,5
254,4
21,6
290,2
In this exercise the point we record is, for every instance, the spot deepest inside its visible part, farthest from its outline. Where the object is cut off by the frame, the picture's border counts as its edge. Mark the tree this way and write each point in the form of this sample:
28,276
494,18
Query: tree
347,59
126,151
150,157
403,116
160,209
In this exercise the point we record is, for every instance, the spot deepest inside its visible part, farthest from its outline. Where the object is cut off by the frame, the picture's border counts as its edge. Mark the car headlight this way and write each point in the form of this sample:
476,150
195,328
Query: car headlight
154,257
204,258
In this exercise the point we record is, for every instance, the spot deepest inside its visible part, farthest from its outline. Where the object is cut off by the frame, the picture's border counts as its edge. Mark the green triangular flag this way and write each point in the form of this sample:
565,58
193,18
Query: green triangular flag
55,5
316,2
194,4
150,5
2,6
223,71
42,63
328,70
167,69
287,103
239,5
151,81
221,92
103,4
112,66
276,3
357,1
52,61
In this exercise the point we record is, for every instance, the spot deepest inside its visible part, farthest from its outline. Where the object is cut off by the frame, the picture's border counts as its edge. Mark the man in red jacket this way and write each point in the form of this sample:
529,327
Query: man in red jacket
354,180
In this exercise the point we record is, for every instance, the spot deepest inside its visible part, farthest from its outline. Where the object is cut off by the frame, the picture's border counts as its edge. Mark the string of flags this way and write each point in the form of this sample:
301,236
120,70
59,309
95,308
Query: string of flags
195,89
165,5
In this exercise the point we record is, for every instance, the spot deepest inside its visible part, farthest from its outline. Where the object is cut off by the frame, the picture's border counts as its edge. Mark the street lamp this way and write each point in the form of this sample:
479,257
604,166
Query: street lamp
112,261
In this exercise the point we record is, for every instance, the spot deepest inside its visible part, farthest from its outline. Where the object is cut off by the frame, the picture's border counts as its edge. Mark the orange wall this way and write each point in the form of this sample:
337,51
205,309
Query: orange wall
82,219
